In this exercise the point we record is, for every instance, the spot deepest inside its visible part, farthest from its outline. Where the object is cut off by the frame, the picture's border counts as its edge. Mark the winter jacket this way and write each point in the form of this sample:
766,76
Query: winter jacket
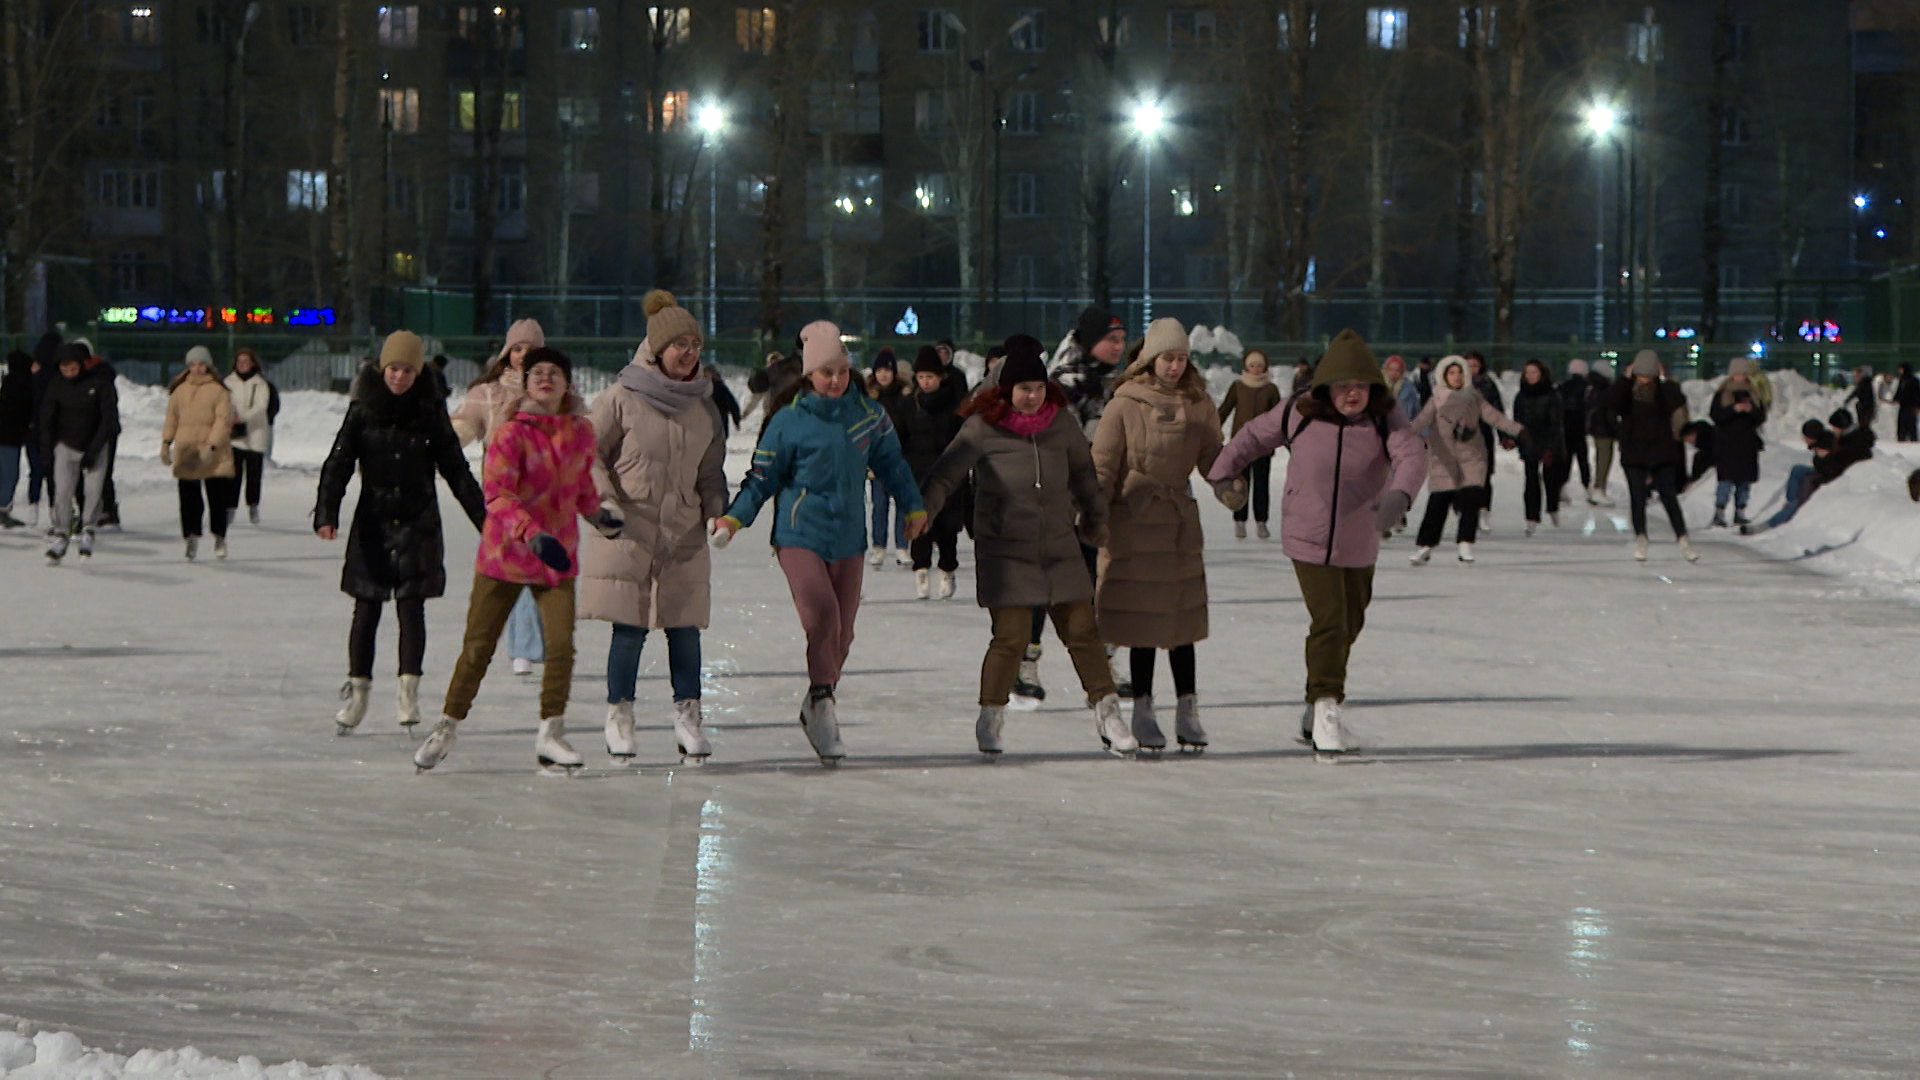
538,478
1705,457
1574,407
1862,400
81,413
812,461
1489,391
926,423
199,428
249,396
1456,453
1028,489
1537,407
1649,430
491,404
1337,470
1410,398
16,402
1244,403
1851,447
665,476
1600,424
395,549
1087,383
1906,392
1152,590
1737,439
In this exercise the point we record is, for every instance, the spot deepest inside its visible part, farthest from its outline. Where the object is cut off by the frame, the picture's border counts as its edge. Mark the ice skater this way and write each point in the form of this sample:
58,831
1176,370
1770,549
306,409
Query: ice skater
197,440
885,385
926,424
78,424
659,467
1538,408
1458,458
1737,416
538,480
1648,411
252,405
1354,465
396,434
1035,476
1152,585
1252,395
812,461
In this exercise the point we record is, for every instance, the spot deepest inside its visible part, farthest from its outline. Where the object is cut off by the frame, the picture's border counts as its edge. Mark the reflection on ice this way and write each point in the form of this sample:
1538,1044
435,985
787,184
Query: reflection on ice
1583,955
712,872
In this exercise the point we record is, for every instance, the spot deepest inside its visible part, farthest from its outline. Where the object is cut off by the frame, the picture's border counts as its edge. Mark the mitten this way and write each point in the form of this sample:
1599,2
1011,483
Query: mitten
607,522
548,549
1231,493
1393,508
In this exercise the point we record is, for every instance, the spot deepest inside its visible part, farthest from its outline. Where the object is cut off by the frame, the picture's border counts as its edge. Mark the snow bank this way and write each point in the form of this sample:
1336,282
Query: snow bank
59,1055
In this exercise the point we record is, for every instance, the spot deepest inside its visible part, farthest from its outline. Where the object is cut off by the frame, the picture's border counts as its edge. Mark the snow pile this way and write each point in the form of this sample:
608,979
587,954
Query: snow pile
1220,340
302,433
59,1055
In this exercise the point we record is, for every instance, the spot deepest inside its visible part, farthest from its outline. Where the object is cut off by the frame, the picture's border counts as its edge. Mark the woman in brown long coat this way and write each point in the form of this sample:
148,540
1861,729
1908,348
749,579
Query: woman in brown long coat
197,441
1159,427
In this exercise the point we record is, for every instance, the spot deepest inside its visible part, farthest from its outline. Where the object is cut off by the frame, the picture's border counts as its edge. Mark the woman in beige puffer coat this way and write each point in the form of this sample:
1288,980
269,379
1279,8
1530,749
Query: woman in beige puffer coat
658,466
1158,428
197,440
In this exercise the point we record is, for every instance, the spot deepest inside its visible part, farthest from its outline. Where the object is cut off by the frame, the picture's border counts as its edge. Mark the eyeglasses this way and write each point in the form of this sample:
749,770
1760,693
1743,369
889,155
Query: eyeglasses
1345,388
685,346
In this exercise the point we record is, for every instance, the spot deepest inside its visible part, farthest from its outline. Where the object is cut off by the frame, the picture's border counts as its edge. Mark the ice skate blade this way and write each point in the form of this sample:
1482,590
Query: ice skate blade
549,767
624,758
1329,757
1019,703
692,759
989,756
1153,752
1193,748
1117,752
341,731
830,762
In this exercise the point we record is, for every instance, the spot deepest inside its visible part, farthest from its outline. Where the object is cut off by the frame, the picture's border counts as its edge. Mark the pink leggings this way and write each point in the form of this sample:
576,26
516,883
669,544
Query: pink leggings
827,597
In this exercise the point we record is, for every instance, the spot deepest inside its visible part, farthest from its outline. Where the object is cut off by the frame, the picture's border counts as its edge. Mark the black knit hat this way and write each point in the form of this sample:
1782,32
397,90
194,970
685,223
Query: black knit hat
1094,324
1025,362
928,360
75,351
1814,429
548,355
885,359
1841,418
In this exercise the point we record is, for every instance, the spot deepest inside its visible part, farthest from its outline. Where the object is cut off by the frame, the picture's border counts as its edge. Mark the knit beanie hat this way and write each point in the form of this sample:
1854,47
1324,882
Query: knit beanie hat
200,354
885,359
525,330
75,351
1840,420
1576,367
1347,359
1646,364
928,360
1165,335
1094,324
1025,361
667,321
819,346
1814,429
1739,365
544,355
403,347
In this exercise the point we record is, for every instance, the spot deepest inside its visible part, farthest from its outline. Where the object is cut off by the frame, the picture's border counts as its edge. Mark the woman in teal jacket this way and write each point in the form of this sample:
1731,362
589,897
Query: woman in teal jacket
812,461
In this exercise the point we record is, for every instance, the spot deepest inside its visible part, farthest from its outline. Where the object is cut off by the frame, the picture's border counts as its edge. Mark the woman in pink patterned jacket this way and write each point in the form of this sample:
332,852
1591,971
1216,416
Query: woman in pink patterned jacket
538,478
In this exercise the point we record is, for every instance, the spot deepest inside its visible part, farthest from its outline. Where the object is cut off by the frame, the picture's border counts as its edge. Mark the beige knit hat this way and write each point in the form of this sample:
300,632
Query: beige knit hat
667,321
820,345
1646,364
1165,335
524,330
403,347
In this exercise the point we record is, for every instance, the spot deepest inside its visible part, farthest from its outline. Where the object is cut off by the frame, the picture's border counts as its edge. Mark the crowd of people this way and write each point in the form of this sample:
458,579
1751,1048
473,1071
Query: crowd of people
1070,471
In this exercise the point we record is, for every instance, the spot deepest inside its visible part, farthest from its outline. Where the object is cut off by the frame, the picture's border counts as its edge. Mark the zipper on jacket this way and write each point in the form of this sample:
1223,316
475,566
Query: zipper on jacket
1035,440
1333,518
793,512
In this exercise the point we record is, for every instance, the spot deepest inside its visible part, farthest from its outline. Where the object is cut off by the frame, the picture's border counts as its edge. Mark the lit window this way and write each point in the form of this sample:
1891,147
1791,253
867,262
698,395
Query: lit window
403,265
307,189
1031,33
1645,43
129,189
939,31
1183,201
1286,30
1387,28
1023,113
399,27
753,29
1115,32
580,29
673,110
1026,195
400,110
1478,23
933,194
465,113
579,114
669,25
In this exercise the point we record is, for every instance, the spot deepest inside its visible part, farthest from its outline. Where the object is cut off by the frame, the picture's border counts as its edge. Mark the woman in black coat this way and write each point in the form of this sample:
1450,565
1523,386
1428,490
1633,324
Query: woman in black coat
1737,417
398,434
1539,409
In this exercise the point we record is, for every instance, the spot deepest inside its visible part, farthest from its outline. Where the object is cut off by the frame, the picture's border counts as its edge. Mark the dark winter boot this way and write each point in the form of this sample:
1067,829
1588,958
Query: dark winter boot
1719,518
1740,516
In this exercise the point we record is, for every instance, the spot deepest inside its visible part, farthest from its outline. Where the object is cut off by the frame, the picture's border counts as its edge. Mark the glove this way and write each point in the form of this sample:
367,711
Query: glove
548,549
1506,443
1231,493
607,523
88,459
166,453
1393,507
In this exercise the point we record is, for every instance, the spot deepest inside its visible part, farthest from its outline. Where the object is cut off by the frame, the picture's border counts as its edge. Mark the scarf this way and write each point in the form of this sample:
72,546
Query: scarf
665,394
1255,382
1027,425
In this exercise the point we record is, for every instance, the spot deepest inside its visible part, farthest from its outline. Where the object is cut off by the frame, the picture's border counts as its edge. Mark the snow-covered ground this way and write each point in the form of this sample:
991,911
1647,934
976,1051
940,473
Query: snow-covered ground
60,1055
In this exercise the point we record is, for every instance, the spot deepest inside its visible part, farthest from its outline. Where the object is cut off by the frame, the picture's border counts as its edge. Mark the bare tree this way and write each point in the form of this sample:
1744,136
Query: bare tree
1713,232
51,95
1505,112
494,33
340,188
1284,146
781,89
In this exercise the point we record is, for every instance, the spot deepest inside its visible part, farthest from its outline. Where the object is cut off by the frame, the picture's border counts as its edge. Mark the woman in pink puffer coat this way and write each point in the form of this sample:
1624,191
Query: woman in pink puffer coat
1354,465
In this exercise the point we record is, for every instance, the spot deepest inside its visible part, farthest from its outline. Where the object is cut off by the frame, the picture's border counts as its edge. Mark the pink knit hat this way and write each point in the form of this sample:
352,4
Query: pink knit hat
819,346
527,330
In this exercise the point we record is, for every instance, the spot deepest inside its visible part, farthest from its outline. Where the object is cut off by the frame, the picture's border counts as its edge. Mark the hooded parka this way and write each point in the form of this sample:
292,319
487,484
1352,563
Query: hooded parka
200,427
1737,439
1457,456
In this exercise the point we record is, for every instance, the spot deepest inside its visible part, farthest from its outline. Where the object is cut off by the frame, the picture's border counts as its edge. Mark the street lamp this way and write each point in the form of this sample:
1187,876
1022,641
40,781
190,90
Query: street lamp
1147,119
712,120
1601,119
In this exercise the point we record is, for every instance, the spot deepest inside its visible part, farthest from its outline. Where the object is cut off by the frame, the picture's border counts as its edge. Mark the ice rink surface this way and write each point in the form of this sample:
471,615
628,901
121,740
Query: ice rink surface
1614,820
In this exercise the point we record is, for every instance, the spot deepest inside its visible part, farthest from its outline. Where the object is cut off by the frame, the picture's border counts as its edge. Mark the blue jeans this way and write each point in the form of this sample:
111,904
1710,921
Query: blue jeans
9,473
683,662
524,639
1799,489
882,503
1737,491
36,475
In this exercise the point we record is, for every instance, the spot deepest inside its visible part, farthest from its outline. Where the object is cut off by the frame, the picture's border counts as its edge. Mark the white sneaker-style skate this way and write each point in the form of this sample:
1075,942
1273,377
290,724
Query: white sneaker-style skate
1260,530
253,514
1421,556
1239,530
1599,498
522,666
193,547
219,547
876,556
1027,683
820,719
986,730
1146,727
1329,737
902,558
922,586
1553,517
438,745
56,548
86,544
1112,730
1687,549
354,692
1186,725
406,702
33,516
1466,552
946,584
1640,548
689,732
620,731
1532,527
551,749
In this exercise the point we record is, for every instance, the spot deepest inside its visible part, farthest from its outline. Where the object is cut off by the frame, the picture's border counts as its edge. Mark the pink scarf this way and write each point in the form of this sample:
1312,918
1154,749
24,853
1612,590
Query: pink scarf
1029,425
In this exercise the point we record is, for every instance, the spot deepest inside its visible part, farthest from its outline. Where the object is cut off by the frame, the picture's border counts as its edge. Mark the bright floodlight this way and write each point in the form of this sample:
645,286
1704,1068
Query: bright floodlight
712,119
1601,119
1148,118
1859,202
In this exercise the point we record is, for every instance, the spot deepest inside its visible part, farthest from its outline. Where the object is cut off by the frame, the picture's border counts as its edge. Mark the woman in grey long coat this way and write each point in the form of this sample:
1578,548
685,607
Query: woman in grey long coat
1034,475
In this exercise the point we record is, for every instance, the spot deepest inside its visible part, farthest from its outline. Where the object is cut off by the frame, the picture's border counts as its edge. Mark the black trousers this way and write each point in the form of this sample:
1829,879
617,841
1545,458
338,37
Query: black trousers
1259,477
1180,658
1663,480
248,467
361,639
1906,427
945,535
214,507
1487,436
1543,480
1577,445
1438,504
